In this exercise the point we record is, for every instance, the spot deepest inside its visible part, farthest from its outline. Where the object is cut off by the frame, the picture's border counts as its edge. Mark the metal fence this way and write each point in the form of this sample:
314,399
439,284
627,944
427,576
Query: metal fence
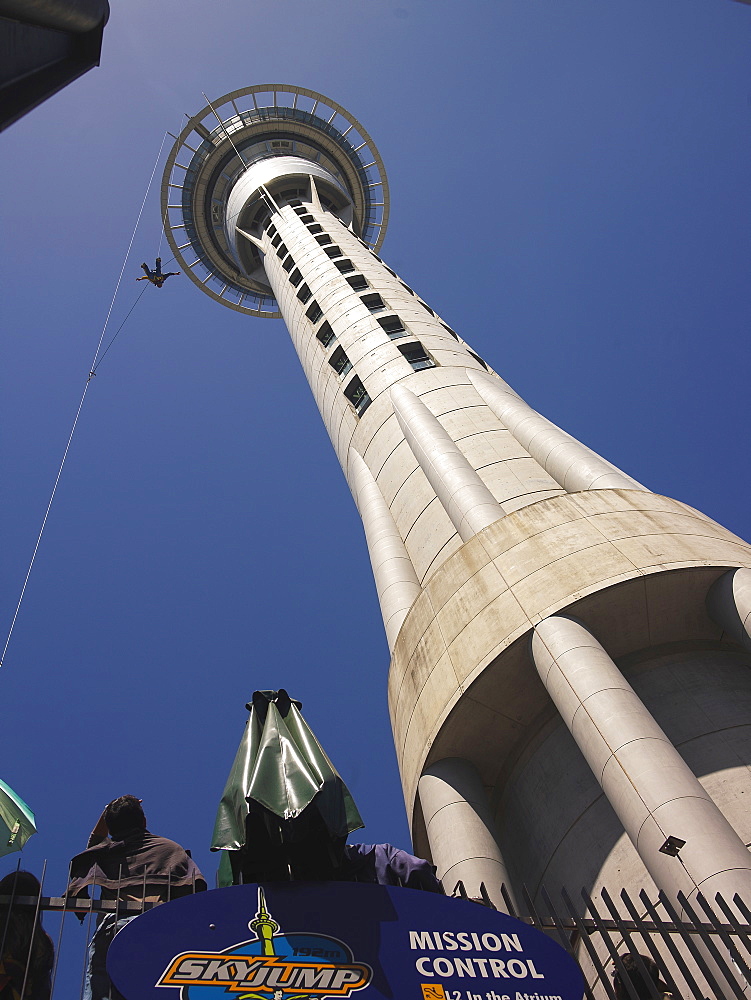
21,932
701,953
695,950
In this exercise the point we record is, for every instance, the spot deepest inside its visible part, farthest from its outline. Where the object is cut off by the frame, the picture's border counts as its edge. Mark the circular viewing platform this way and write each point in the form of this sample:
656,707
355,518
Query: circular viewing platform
227,137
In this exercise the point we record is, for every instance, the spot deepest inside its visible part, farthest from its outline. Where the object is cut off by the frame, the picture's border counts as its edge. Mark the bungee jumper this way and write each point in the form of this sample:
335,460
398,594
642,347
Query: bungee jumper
156,277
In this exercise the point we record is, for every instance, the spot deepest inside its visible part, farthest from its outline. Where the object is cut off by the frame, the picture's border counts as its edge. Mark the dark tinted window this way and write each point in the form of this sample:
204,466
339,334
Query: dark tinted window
340,362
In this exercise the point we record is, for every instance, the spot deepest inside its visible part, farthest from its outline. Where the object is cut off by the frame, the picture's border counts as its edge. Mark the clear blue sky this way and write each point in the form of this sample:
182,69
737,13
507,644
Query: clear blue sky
570,191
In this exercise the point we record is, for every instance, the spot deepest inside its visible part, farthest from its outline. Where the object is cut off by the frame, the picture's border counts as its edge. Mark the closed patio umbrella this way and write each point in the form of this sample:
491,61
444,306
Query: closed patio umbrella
285,811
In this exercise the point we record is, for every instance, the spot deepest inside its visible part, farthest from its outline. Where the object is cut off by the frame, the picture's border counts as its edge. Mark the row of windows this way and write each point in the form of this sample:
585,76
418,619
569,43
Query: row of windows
392,325
414,353
354,391
346,267
406,287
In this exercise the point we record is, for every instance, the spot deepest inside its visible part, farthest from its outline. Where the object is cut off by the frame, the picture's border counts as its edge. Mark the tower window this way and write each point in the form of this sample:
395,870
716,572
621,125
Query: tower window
288,263
478,359
306,218
356,394
393,326
315,228
345,266
427,308
314,311
358,282
372,302
334,252
295,277
417,356
270,228
326,335
340,362
449,330
296,203
282,251
407,287
304,293
392,273
324,240
276,240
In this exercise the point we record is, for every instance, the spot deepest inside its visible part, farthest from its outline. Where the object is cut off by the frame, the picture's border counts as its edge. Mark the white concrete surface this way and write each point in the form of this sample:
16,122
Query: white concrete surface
460,829
465,498
729,603
502,471
395,577
482,520
650,787
569,462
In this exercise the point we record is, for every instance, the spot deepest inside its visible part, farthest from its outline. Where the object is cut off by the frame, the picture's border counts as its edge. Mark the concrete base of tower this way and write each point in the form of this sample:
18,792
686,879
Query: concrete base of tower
556,822
635,570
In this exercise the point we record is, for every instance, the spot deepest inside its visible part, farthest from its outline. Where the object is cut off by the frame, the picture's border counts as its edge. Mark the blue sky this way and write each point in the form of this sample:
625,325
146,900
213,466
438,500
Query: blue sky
569,185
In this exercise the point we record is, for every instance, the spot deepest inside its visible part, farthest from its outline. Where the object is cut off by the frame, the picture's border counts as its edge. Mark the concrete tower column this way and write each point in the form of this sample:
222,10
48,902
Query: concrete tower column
647,782
729,604
465,498
460,829
395,577
567,460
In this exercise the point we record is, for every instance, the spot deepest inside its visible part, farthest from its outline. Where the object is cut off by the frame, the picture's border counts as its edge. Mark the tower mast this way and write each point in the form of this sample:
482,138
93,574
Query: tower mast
561,676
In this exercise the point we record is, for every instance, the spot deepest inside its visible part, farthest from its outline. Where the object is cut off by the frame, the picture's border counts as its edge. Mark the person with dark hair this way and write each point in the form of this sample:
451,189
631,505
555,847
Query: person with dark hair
636,978
156,277
129,864
25,943
121,816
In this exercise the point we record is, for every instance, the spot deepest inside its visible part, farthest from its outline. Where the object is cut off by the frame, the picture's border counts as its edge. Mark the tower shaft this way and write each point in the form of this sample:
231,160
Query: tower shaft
491,519
561,697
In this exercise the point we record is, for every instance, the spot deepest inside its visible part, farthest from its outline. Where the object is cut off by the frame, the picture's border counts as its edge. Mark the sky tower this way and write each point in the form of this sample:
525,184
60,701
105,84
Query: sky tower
569,683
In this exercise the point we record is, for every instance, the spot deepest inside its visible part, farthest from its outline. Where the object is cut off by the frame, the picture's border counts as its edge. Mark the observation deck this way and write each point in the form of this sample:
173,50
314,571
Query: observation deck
220,176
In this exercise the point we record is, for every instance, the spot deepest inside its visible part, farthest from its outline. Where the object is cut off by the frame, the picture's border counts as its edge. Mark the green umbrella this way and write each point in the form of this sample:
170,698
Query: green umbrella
16,821
282,768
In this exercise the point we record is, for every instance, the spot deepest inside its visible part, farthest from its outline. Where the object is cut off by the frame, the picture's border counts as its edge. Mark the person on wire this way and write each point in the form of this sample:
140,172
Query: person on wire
156,277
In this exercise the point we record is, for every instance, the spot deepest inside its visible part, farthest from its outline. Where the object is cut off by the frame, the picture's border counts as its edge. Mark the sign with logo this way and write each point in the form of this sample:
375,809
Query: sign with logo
325,940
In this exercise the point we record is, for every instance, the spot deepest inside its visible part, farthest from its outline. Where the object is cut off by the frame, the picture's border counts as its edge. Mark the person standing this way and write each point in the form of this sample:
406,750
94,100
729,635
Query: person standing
129,864
27,950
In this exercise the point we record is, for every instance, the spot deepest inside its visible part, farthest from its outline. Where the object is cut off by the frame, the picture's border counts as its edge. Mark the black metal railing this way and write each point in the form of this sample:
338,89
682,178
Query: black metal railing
687,949
701,953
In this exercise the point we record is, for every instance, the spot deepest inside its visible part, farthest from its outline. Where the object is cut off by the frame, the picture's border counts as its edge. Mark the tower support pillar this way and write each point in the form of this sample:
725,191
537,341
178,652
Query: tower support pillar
729,604
573,466
465,498
652,790
395,577
460,829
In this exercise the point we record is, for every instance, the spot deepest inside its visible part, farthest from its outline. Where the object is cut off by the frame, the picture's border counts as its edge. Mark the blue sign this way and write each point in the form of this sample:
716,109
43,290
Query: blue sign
325,940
